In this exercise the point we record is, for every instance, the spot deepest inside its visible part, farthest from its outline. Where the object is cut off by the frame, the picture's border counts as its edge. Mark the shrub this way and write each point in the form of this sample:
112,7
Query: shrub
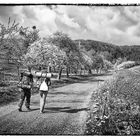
107,65
115,106
8,94
128,64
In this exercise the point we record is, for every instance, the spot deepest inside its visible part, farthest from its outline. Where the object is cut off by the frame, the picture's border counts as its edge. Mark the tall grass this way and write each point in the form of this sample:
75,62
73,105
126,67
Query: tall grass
115,106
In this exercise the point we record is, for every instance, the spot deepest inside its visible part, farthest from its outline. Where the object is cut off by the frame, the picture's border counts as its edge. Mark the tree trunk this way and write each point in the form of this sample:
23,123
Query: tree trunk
97,70
75,72
80,71
49,69
54,70
67,71
84,71
89,71
59,74
18,73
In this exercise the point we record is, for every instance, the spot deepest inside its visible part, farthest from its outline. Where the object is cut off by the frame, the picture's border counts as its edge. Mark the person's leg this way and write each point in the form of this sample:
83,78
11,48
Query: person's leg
41,101
21,100
28,97
43,96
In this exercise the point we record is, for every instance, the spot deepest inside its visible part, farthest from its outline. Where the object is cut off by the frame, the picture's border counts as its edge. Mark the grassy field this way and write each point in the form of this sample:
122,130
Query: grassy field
114,107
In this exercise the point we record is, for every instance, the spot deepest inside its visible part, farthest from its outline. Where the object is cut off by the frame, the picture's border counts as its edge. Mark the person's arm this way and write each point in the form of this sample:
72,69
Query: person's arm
21,77
19,85
49,82
31,81
38,82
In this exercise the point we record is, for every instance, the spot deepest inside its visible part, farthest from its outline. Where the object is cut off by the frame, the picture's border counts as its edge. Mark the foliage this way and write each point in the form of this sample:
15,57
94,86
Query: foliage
106,55
85,58
98,62
62,40
111,51
8,94
66,44
12,43
42,53
29,36
131,52
8,43
127,64
115,106
9,31
107,65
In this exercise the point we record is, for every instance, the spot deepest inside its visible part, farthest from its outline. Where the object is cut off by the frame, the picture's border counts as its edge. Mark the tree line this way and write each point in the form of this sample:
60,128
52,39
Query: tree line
58,52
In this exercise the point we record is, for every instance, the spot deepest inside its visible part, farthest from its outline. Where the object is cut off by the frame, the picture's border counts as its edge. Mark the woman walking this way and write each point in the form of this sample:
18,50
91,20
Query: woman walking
43,91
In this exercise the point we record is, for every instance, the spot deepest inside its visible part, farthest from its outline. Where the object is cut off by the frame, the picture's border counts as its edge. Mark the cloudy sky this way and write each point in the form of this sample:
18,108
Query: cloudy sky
118,25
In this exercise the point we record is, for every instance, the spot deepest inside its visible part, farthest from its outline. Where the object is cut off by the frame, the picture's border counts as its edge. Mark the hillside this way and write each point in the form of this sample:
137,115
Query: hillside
129,52
96,45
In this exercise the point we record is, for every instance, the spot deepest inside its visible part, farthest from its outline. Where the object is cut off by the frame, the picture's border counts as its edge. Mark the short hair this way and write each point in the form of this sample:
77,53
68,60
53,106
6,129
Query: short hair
29,69
21,74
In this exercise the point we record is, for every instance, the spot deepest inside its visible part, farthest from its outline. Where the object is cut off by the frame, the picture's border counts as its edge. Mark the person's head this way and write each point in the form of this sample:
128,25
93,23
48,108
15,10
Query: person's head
23,75
39,68
47,79
29,69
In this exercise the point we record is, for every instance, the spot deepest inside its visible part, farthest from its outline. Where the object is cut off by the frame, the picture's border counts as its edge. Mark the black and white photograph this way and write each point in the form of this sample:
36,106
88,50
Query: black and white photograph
69,69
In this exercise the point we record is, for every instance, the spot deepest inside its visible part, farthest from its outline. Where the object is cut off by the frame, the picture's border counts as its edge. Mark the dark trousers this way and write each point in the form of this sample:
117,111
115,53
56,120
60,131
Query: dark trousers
25,95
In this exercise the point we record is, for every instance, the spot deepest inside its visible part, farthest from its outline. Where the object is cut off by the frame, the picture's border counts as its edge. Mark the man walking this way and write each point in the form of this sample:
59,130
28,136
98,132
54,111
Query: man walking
26,83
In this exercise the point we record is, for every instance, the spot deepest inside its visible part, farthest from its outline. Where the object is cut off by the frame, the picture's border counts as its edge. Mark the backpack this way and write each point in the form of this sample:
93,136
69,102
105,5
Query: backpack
44,86
25,83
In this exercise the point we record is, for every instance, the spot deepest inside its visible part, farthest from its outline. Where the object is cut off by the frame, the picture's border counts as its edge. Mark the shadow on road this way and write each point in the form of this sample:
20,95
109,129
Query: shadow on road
61,109
93,80
62,93
64,109
59,101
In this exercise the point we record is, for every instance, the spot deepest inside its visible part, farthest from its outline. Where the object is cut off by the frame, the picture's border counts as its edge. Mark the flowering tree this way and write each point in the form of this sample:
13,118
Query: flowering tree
10,44
15,39
7,39
66,44
14,42
29,36
87,61
42,53
98,62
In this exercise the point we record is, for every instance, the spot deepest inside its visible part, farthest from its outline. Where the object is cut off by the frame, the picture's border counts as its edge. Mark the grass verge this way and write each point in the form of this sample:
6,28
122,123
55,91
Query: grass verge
114,107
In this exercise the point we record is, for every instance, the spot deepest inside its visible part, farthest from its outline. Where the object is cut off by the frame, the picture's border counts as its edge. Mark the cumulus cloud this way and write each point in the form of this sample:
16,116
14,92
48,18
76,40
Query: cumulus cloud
119,25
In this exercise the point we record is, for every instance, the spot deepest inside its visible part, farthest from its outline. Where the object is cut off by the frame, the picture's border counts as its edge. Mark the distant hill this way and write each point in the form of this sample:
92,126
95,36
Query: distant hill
96,45
129,52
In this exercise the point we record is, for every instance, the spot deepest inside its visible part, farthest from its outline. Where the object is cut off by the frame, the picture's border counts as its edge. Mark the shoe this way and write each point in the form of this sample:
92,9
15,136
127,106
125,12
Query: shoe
28,108
19,109
41,112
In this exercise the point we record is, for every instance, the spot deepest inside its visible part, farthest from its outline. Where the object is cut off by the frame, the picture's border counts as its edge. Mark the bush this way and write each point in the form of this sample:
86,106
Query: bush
115,106
107,65
3,84
128,64
8,94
